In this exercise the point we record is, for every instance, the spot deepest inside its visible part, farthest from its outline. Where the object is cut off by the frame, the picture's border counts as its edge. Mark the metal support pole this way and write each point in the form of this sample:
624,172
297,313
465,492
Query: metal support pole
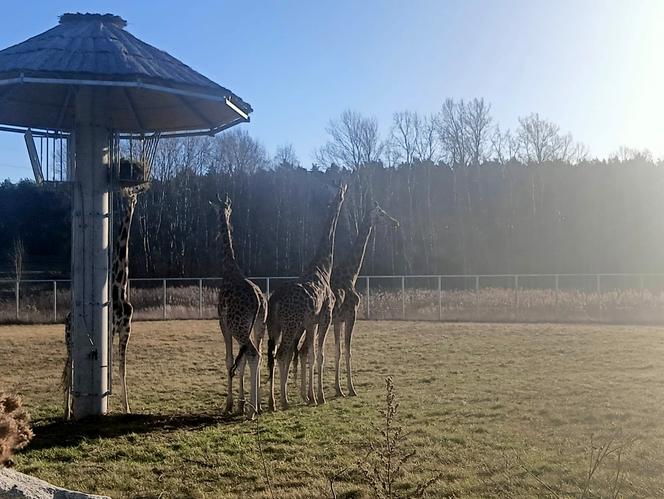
403,297
55,301
163,303
267,287
90,257
516,296
17,293
200,298
440,298
367,293
477,294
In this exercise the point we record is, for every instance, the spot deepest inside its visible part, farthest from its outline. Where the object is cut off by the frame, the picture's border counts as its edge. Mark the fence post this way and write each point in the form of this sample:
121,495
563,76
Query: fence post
440,298
163,309
368,307
18,300
267,287
516,296
477,294
557,278
599,295
200,298
403,298
55,301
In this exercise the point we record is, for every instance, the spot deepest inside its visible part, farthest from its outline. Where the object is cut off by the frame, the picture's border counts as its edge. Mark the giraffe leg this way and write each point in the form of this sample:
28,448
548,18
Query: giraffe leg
310,345
240,372
338,327
302,354
124,334
228,340
256,383
284,364
254,372
323,328
271,354
350,325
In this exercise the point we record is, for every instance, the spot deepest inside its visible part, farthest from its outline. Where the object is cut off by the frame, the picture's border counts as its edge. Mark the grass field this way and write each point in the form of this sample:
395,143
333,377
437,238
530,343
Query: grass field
501,410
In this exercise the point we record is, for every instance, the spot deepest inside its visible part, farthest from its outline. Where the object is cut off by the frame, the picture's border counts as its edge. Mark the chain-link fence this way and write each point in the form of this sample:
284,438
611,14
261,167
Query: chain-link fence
610,298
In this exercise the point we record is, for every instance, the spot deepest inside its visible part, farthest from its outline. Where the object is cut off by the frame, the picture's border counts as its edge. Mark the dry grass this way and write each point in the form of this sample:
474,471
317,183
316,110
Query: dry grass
499,409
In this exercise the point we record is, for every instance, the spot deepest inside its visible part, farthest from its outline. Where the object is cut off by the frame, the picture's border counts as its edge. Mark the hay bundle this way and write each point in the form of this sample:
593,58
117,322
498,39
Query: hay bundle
15,432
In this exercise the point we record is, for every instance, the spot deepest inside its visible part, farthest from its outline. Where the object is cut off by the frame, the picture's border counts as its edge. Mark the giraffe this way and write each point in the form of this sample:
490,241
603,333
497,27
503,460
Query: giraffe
303,305
121,311
347,299
242,310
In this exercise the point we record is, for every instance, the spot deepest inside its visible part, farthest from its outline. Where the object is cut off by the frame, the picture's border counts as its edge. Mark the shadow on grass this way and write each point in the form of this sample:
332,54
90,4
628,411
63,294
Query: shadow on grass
52,432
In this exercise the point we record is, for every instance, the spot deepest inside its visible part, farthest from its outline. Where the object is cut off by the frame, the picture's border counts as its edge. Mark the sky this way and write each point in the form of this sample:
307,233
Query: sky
594,67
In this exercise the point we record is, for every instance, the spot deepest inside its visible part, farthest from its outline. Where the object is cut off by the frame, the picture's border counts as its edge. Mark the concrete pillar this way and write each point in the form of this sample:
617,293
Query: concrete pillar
90,257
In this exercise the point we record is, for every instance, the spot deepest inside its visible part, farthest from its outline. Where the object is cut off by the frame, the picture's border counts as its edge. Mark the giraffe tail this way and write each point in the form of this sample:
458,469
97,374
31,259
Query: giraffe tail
240,354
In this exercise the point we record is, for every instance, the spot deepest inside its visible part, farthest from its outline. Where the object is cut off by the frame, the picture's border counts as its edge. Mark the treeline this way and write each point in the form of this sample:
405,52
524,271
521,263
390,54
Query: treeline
470,197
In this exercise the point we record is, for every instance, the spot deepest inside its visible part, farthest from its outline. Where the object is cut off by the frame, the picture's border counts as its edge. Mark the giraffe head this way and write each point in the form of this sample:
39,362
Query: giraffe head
222,207
378,215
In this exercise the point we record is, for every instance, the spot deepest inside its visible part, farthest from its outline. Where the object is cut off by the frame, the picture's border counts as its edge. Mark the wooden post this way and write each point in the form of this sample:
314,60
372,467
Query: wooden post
90,256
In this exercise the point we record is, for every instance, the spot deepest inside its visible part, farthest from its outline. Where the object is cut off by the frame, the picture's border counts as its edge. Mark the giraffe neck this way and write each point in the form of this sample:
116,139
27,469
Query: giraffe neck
323,259
229,265
121,255
350,269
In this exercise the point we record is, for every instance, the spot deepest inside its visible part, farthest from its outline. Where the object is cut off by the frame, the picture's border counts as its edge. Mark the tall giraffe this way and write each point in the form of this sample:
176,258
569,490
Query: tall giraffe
242,310
347,299
122,310
303,305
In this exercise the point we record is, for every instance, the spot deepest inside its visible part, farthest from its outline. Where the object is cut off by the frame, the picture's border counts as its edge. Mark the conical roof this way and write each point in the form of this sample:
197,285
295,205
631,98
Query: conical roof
145,89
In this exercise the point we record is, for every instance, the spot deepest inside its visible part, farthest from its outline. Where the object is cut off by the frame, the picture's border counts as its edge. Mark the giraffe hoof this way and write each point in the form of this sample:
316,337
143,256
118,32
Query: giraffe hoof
340,394
352,392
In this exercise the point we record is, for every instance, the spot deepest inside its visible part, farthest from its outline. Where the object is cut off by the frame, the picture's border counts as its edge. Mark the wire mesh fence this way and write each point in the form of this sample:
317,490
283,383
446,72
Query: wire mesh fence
601,298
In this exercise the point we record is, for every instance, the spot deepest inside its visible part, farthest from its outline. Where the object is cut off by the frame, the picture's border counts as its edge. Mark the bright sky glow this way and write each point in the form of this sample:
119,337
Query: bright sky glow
595,67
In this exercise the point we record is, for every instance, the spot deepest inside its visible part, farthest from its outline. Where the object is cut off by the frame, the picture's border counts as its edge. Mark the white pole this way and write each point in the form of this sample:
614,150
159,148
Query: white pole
163,309
18,299
368,305
55,301
403,298
90,253
200,298
440,298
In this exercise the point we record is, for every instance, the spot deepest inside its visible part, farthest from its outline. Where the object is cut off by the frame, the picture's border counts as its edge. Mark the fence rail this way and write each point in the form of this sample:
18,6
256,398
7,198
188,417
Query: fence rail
612,297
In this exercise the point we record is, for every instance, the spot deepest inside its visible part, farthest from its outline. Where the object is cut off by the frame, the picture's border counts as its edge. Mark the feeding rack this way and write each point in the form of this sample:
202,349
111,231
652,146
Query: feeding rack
87,94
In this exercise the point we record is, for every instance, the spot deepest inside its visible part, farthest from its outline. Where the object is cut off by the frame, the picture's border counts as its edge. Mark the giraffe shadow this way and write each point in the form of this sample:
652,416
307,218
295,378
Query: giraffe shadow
54,433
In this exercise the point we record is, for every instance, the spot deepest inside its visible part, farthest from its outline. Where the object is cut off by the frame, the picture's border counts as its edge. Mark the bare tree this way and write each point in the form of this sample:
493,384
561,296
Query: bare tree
624,154
477,129
354,141
452,132
428,145
404,136
236,151
285,157
540,140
